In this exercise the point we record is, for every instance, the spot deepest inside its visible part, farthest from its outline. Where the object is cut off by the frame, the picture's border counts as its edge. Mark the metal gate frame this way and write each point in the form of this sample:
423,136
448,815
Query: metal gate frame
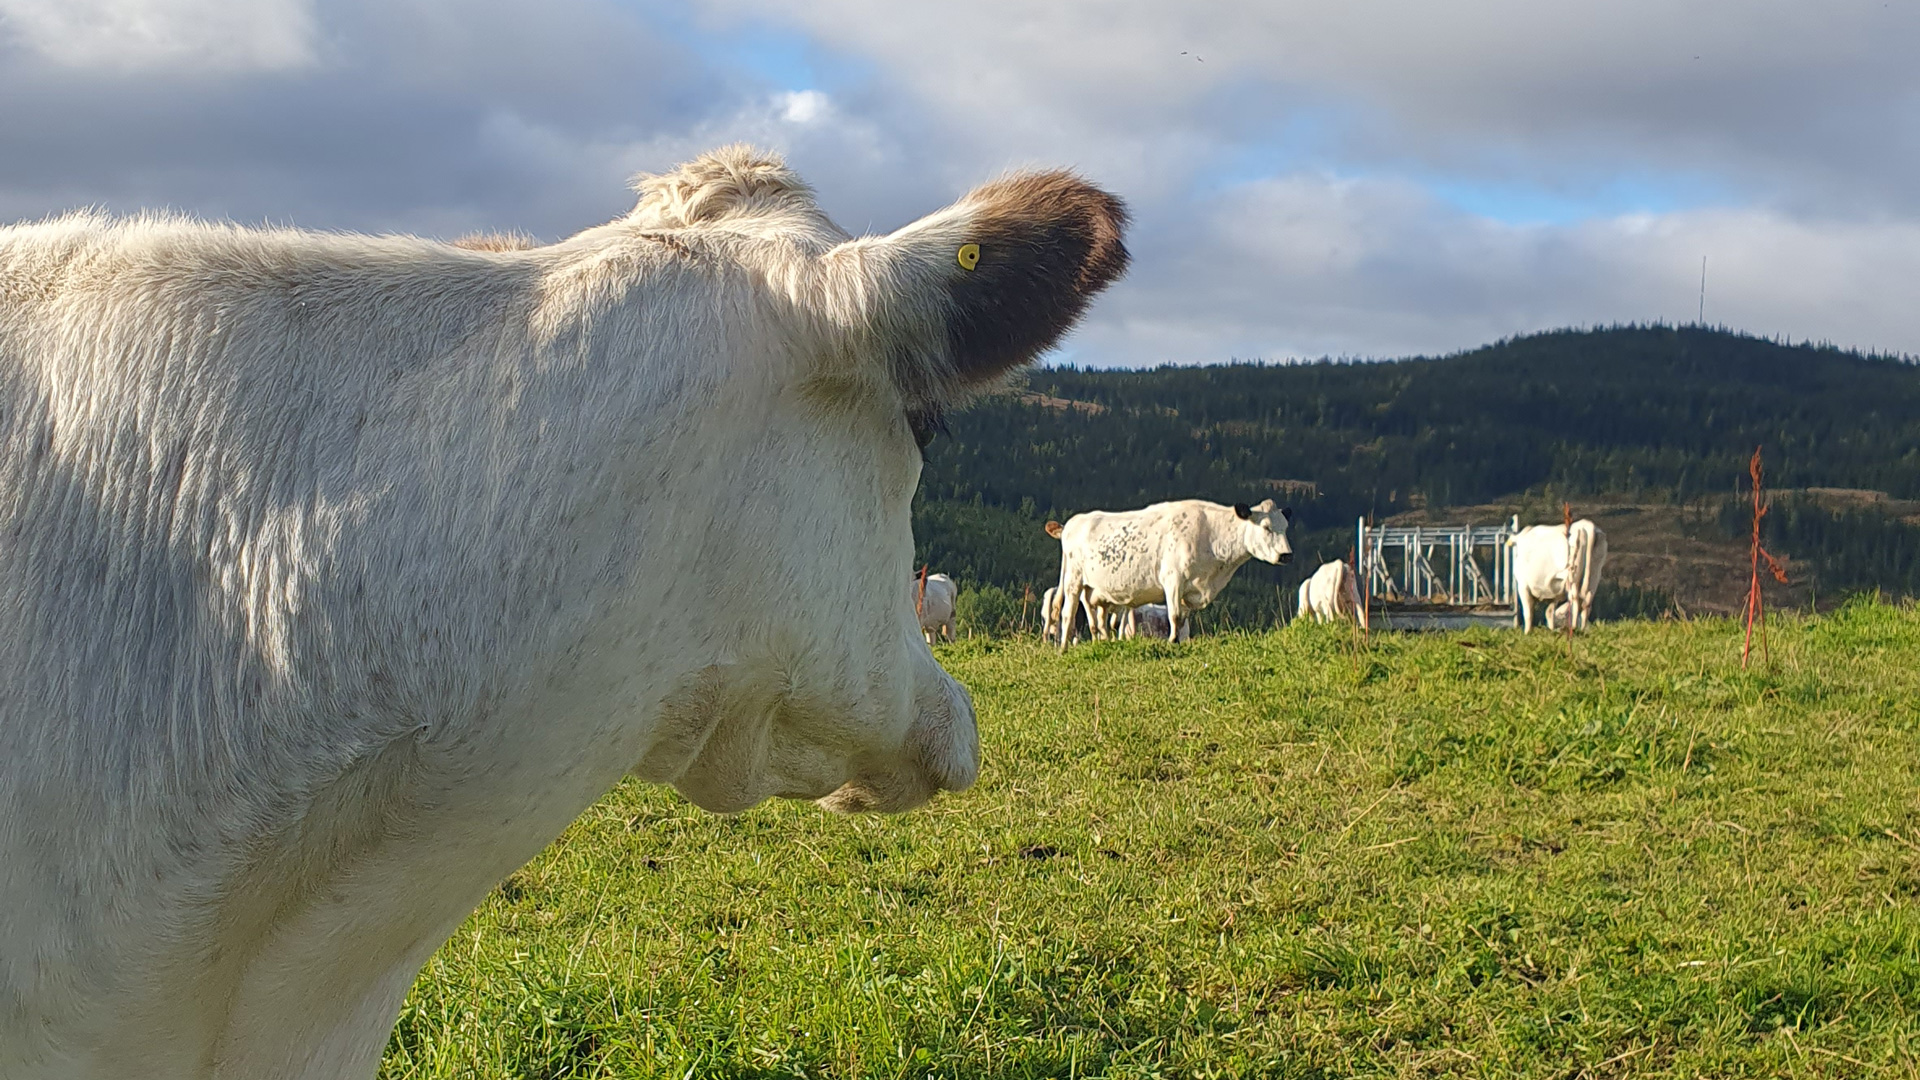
1441,582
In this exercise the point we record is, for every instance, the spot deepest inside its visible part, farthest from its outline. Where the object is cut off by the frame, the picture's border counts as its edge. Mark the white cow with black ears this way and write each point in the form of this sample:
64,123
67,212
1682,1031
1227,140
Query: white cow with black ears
341,572
1180,554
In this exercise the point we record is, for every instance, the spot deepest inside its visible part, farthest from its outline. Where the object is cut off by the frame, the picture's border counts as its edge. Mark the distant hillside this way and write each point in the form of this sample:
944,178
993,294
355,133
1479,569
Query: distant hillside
1643,415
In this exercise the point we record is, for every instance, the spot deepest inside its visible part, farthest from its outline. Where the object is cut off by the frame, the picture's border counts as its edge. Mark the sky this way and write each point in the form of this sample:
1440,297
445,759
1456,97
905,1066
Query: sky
1308,178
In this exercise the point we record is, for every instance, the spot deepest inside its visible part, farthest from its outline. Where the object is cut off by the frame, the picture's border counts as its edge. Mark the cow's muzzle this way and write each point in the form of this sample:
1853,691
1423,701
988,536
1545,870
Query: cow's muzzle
941,753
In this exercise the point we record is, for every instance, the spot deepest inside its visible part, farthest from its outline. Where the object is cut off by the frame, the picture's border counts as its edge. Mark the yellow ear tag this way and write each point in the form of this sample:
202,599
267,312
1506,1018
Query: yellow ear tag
969,255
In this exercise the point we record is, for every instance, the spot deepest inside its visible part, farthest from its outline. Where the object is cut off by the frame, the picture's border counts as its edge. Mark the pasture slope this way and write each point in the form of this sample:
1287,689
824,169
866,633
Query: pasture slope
1268,855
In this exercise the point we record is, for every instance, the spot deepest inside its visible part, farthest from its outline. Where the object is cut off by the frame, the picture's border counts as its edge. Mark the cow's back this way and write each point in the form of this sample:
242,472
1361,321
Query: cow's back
1121,555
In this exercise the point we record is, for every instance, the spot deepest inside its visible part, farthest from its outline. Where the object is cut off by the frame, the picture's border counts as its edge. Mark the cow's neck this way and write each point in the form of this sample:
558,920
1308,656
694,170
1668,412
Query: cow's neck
1227,550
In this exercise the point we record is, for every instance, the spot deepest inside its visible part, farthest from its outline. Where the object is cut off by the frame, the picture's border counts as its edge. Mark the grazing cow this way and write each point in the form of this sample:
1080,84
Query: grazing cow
1333,593
936,607
1177,553
342,572
1049,614
1550,563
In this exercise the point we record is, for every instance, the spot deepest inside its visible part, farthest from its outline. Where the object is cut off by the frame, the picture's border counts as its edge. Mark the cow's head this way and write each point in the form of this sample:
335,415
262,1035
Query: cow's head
1264,530
843,355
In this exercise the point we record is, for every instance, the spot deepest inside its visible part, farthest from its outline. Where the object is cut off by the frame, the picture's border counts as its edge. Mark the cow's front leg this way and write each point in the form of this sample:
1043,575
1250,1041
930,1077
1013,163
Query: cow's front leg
1171,586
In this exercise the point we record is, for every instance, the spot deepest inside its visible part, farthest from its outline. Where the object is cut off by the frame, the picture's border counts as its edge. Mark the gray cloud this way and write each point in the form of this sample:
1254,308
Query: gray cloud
1810,102
1309,266
1303,174
413,116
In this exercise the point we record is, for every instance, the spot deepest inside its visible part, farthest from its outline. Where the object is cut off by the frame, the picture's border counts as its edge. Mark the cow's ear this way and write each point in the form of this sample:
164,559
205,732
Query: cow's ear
1039,247
962,296
1242,511
1287,512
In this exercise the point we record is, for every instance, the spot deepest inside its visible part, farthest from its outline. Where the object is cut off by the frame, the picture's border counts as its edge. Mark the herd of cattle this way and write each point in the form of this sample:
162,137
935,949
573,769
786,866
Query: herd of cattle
342,572
1144,572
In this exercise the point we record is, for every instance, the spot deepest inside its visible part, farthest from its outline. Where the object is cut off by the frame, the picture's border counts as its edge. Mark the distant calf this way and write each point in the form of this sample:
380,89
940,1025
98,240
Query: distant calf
936,607
1049,614
1332,593
1150,621
1180,554
1552,563
1099,621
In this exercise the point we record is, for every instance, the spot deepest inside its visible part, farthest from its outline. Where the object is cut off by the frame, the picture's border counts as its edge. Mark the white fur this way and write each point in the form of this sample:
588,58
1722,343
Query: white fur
340,573
936,607
1549,563
1177,553
1332,593
1100,621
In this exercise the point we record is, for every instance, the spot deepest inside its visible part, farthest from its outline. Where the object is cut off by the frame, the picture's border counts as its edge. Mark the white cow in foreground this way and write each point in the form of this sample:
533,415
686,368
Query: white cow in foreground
1552,563
1332,594
936,607
341,572
1177,553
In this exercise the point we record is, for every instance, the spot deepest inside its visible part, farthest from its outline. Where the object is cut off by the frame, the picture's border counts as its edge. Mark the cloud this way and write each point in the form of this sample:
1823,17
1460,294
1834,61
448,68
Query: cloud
1310,265
1363,178
414,115
205,37
1808,103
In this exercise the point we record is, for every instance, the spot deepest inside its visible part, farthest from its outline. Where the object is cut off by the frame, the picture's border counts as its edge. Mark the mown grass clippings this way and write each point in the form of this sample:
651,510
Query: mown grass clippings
1457,856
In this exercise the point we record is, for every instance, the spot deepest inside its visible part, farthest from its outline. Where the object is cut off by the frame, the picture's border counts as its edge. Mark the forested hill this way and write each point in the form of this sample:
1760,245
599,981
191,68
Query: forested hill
1658,413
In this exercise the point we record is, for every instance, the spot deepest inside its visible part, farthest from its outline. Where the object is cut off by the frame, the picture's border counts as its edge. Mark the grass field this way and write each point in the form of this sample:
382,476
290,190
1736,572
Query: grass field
1272,855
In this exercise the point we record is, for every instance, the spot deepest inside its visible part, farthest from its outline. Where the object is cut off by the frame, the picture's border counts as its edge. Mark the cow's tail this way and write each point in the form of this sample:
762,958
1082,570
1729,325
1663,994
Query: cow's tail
1580,564
1066,600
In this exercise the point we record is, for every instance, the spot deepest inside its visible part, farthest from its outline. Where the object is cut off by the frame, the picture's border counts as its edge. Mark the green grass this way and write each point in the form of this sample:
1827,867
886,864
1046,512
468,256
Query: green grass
1268,855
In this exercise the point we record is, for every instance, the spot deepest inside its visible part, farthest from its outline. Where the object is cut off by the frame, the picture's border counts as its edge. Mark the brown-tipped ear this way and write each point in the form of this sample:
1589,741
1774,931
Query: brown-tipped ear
1036,249
1054,529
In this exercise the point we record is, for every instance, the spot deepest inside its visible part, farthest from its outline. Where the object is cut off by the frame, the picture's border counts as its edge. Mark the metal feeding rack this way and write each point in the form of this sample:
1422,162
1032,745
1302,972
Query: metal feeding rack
1436,577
